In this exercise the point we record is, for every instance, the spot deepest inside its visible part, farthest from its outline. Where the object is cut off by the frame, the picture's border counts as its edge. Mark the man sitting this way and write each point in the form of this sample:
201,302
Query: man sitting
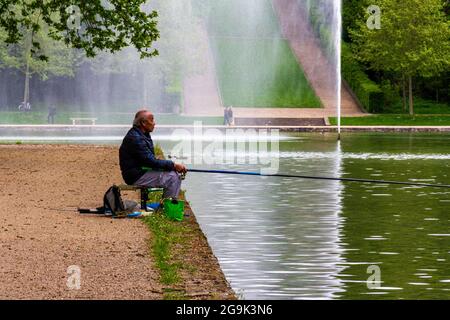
137,151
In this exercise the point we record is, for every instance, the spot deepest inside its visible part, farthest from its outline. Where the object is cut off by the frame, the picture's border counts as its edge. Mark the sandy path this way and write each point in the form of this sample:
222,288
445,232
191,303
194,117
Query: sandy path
38,244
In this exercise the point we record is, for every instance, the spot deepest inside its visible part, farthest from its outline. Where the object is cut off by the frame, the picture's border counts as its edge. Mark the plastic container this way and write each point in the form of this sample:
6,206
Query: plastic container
174,209
153,206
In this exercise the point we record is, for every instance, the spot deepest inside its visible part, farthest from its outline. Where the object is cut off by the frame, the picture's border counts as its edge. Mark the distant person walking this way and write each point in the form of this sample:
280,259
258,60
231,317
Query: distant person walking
230,116
228,119
225,116
51,114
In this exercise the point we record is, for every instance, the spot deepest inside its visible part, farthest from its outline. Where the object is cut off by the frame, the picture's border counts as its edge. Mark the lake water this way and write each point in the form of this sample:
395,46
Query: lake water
285,238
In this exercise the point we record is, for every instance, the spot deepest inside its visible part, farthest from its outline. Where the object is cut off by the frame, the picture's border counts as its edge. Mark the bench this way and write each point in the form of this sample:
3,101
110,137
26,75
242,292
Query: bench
144,192
75,120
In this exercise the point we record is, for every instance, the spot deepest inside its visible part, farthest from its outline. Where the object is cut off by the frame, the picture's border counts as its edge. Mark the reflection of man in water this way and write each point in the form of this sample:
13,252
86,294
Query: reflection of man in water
51,114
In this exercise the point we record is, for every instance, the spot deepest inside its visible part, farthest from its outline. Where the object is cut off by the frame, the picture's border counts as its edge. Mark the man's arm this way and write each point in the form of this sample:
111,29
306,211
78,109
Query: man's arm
147,158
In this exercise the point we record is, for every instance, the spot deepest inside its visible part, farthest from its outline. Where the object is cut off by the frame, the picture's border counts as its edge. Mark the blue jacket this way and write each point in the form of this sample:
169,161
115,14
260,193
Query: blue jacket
137,151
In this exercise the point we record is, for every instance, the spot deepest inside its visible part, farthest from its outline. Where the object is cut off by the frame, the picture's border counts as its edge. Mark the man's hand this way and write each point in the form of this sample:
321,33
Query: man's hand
181,168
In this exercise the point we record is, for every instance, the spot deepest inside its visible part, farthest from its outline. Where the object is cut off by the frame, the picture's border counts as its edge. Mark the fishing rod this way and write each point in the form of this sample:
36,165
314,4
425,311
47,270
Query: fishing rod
321,178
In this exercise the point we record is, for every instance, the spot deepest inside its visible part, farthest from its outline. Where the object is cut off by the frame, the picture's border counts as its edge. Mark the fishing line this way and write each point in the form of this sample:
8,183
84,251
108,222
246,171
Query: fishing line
322,178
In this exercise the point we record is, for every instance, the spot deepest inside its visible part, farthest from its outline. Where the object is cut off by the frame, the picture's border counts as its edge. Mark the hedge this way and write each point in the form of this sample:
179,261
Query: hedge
368,92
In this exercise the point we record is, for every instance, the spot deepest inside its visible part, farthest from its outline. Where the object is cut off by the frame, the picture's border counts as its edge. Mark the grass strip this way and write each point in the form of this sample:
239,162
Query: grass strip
394,120
169,237
166,234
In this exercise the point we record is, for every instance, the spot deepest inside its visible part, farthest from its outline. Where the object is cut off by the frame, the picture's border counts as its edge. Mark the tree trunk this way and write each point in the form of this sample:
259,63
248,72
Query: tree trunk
26,93
404,93
411,102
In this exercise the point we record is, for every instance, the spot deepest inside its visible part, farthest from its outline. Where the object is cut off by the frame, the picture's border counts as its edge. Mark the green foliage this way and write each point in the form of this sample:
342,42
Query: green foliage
352,12
59,60
390,94
98,25
413,39
436,88
368,92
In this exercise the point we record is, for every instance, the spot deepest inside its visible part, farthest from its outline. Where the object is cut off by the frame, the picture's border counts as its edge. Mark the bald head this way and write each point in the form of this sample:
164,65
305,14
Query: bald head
140,116
144,120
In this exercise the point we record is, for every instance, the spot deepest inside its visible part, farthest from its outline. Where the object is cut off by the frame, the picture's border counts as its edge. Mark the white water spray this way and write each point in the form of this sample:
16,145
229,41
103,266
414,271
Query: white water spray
337,13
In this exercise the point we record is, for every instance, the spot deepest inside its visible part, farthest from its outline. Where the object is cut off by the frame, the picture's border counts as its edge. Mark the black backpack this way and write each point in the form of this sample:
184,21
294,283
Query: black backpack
113,204
112,201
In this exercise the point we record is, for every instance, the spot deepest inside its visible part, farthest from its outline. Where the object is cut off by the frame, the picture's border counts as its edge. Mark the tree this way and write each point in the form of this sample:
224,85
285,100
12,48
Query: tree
93,25
352,11
413,40
59,58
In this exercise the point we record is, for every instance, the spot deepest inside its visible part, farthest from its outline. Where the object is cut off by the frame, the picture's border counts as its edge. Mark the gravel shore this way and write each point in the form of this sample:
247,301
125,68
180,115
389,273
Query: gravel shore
42,234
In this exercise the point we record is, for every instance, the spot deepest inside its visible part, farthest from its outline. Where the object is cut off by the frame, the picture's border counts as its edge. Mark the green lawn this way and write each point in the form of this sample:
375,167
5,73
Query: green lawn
37,117
395,120
255,66
261,73
421,106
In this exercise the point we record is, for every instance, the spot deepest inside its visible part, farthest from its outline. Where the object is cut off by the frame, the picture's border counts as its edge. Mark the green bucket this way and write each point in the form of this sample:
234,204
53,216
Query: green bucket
174,209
